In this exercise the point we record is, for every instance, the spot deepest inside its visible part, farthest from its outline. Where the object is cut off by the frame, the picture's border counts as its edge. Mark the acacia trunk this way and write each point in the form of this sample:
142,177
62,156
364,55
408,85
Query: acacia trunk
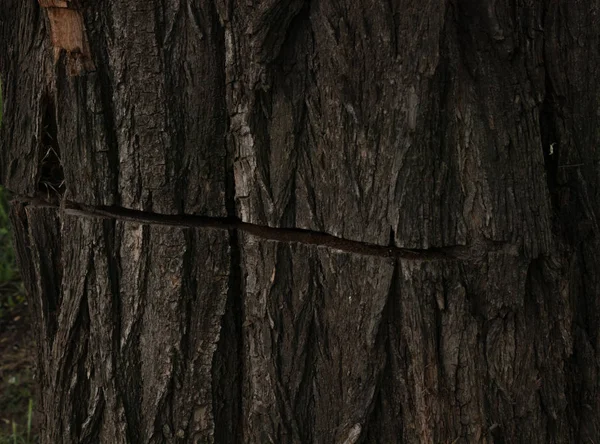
308,221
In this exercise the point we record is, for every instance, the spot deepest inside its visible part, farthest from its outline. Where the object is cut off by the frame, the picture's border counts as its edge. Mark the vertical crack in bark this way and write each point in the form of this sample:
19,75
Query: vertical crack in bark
228,360
540,309
91,428
549,135
304,403
98,47
549,116
129,366
534,309
175,121
288,429
50,175
73,341
189,290
109,231
50,270
377,413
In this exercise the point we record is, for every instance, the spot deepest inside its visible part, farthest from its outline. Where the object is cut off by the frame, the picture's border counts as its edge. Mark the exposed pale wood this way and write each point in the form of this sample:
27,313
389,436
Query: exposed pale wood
66,29
54,3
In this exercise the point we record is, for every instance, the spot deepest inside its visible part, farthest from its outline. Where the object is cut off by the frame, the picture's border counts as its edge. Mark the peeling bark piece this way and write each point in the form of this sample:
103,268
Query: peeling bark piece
67,32
66,29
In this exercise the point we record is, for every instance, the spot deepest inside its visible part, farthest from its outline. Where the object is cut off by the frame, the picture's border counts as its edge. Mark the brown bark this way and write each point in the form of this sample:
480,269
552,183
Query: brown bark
308,221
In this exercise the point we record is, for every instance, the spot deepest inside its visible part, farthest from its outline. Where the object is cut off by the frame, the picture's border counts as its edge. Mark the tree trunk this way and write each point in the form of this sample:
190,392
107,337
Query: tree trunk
308,221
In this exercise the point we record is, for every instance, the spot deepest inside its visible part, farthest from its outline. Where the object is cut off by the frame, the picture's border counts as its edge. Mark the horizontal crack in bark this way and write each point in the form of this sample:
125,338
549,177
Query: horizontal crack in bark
297,235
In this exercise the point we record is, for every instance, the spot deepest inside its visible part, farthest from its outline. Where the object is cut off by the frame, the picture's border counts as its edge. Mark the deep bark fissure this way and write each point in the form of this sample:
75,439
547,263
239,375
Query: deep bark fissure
51,178
130,359
376,411
228,360
113,277
227,367
71,362
187,352
303,404
549,136
109,121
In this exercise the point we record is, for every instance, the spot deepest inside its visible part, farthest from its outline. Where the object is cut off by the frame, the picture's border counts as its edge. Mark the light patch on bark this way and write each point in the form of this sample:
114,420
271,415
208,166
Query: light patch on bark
353,435
413,105
245,162
67,32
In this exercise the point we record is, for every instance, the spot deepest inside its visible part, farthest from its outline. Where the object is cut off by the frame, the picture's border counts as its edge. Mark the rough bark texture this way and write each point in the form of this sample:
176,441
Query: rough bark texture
308,221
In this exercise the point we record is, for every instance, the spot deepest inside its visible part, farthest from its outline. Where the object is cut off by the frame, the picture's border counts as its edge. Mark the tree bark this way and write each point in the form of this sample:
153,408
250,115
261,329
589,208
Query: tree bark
308,221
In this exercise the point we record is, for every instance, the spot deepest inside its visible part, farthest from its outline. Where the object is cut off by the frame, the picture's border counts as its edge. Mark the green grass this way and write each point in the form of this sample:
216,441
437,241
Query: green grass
18,436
